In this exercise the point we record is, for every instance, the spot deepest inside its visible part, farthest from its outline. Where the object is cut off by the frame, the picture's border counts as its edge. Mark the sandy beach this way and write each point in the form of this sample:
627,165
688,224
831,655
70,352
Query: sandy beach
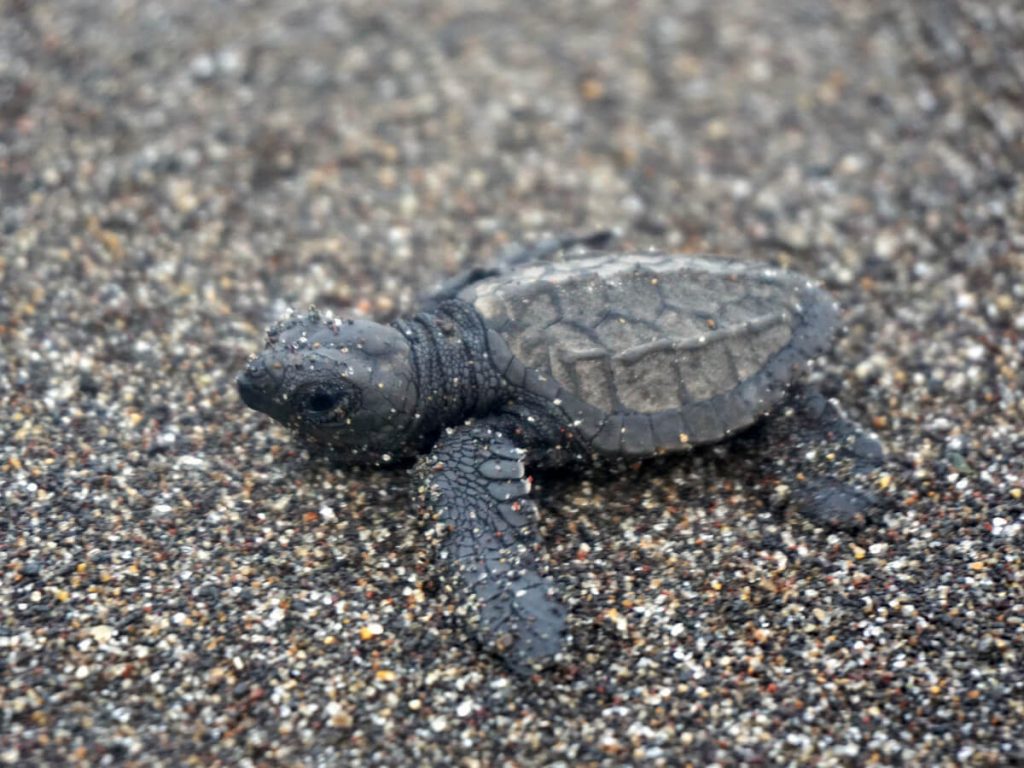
182,584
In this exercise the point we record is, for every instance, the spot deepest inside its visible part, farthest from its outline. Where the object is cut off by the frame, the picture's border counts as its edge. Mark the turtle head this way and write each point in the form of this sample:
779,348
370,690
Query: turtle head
348,384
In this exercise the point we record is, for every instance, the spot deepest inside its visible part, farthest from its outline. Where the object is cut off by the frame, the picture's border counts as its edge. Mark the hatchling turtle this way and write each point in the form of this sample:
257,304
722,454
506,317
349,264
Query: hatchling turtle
540,362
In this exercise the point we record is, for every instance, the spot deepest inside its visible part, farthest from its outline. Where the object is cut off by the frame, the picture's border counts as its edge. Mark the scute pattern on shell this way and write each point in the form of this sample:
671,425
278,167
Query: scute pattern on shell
651,351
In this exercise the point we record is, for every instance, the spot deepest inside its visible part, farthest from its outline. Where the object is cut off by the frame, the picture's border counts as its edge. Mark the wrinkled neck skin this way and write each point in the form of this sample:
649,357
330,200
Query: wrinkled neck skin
455,379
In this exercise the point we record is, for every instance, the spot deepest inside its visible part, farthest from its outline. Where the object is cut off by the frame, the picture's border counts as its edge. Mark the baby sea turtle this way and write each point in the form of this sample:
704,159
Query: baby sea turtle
540,362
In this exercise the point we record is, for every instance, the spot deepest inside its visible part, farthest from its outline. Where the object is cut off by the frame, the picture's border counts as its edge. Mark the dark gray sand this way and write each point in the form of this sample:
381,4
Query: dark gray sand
181,585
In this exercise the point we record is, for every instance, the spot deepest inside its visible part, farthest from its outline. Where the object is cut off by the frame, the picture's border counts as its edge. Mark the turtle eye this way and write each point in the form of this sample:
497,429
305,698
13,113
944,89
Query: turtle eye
320,402
325,403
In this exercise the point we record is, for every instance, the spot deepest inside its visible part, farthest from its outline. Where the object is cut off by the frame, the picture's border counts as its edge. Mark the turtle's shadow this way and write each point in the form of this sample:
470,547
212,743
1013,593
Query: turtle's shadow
808,458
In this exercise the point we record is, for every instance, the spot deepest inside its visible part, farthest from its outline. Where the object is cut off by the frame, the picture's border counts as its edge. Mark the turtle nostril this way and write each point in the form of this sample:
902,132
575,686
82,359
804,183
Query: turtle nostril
251,384
256,369
246,389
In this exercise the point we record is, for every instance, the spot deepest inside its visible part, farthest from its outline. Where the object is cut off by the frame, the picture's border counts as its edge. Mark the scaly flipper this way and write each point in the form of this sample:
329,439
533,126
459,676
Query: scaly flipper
839,461
516,256
474,482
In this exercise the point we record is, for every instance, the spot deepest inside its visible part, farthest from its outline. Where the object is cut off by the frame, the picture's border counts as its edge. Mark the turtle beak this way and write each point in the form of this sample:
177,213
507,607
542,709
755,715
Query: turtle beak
253,385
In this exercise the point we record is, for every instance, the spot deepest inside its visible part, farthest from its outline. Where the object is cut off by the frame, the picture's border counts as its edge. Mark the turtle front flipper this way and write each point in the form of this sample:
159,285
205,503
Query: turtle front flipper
516,256
475,485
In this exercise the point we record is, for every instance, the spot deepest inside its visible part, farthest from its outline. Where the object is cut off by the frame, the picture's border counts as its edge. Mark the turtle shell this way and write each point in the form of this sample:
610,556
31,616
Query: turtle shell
652,352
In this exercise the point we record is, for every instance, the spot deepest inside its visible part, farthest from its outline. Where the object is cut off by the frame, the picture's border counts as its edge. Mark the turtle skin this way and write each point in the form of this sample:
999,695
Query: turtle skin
540,362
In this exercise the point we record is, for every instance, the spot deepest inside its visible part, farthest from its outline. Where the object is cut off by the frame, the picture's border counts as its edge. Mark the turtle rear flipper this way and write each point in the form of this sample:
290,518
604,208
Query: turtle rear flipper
474,483
832,463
